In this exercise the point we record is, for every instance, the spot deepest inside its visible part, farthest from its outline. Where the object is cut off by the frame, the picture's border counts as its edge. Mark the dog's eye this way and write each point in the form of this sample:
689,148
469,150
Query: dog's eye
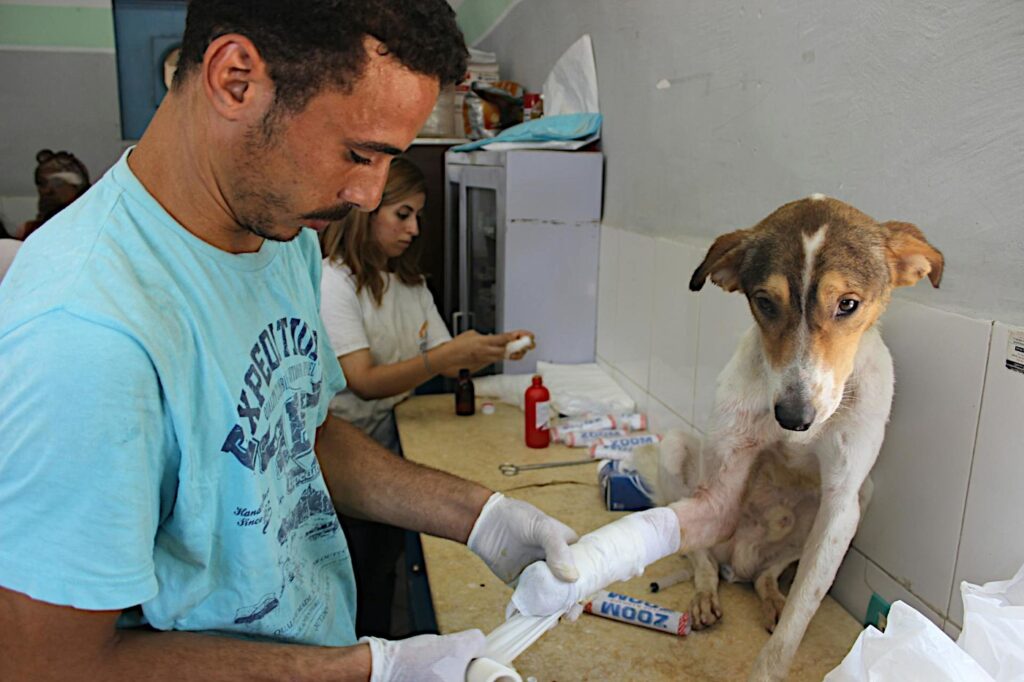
765,305
846,307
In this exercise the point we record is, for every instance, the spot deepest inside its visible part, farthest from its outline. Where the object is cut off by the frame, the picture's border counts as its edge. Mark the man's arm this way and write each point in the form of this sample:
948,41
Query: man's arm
40,642
368,481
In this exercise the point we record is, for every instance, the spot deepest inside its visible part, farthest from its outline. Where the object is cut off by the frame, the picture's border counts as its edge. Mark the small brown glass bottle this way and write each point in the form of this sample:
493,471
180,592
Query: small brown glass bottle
465,396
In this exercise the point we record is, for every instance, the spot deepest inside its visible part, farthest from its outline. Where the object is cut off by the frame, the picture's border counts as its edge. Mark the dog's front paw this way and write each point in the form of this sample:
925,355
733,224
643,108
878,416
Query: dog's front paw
705,610
771,611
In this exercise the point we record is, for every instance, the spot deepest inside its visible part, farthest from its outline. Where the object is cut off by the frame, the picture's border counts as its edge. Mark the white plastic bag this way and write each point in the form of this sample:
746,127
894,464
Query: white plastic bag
912,649
584,389
575,389
571,87
508,388
993,633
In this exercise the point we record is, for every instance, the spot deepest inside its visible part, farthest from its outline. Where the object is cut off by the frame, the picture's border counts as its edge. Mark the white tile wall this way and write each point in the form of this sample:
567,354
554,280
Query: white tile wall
676,311
661,418
850,587
912,524
890,590
668,348
637,393
992,546
607,285
631,334
858,577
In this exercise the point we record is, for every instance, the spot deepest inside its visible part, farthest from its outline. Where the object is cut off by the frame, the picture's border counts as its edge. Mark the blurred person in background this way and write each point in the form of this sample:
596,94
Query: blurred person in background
60,179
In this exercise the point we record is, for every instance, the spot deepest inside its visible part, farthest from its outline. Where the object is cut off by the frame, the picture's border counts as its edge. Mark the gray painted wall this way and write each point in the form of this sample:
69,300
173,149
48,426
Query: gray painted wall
907,110
60,100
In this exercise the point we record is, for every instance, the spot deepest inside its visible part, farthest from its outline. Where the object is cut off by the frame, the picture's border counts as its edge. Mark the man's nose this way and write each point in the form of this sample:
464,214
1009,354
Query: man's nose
365,188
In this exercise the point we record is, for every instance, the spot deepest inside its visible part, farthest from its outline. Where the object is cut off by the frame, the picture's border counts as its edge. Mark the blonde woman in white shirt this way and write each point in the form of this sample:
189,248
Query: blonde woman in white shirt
381,317
389,338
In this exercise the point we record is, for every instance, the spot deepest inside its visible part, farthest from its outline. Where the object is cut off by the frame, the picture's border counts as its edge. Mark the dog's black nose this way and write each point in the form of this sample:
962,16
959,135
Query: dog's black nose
795,416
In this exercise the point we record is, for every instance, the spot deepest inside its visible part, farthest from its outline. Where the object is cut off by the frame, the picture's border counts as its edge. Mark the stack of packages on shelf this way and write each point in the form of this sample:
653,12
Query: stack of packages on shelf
482,66
612,439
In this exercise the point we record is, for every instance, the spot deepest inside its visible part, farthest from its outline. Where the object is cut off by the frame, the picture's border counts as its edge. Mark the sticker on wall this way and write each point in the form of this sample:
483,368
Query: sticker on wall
1015,351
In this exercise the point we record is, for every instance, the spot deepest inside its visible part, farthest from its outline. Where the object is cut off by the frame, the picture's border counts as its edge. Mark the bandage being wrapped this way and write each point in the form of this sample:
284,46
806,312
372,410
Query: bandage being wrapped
619,551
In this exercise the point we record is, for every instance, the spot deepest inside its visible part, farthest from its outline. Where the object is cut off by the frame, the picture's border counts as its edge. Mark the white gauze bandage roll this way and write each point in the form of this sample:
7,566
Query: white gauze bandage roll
489,670
619,551
519,345
504,644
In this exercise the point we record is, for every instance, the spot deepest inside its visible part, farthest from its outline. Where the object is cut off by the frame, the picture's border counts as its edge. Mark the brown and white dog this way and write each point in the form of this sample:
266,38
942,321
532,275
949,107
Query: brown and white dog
800,410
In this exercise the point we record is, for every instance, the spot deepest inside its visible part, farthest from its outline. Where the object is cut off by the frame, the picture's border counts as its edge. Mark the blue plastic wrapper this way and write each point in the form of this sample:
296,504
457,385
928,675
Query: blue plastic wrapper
623,488
546,129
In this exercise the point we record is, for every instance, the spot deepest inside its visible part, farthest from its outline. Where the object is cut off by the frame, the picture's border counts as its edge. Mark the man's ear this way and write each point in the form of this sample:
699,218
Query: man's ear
234,75
722,262
910,256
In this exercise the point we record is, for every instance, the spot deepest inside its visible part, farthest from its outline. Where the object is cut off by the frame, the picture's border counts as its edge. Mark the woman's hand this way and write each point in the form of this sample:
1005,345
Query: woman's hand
472,350
519,334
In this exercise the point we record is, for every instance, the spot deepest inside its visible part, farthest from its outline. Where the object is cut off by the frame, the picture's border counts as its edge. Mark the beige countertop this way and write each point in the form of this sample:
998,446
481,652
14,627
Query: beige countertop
467,595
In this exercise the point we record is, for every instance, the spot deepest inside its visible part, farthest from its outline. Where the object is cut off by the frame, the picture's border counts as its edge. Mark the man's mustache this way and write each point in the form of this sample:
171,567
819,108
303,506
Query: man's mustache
335,213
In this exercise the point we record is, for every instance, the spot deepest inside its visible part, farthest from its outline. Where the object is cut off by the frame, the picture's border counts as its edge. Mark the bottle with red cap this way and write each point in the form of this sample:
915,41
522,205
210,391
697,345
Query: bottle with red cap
538,413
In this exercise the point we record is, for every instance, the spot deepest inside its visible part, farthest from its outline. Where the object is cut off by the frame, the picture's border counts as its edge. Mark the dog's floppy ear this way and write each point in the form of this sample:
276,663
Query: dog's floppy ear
722,262
910,256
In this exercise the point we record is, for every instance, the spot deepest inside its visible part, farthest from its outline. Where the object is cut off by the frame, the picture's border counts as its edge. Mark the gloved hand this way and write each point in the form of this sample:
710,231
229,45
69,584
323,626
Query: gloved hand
618,551
511,534
426,658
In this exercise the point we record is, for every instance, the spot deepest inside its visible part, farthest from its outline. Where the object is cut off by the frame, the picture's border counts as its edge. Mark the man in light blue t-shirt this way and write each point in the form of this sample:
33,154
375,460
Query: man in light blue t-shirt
168,468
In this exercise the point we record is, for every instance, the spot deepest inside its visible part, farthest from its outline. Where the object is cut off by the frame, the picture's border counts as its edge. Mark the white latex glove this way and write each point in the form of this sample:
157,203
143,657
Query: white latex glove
511,534
426,658
618,551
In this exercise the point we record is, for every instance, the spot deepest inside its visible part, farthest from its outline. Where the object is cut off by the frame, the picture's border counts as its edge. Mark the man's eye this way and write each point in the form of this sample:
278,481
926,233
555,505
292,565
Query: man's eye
361,160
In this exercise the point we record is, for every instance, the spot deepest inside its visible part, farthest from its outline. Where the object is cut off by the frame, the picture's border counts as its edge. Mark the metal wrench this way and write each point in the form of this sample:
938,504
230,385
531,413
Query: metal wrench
513,469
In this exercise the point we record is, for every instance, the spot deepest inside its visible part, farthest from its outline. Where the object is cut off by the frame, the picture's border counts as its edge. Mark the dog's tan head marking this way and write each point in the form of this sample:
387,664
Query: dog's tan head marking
817,274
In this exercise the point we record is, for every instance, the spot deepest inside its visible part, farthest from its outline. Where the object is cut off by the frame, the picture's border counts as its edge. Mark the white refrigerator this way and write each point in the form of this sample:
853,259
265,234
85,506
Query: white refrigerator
521,249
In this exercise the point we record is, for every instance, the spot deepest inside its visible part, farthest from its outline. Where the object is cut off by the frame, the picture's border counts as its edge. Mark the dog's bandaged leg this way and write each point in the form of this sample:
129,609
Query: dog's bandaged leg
619,551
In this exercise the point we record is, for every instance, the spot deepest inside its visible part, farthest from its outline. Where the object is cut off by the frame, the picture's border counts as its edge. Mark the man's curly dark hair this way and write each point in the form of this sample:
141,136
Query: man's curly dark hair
311,44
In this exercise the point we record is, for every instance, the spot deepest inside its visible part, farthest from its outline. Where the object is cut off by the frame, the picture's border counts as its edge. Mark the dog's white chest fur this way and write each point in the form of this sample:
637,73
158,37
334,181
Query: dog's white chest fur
784,489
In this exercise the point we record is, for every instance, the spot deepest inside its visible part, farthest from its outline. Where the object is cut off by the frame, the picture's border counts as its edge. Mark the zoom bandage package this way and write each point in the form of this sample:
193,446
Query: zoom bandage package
585,439
638,612
564,427
621,447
